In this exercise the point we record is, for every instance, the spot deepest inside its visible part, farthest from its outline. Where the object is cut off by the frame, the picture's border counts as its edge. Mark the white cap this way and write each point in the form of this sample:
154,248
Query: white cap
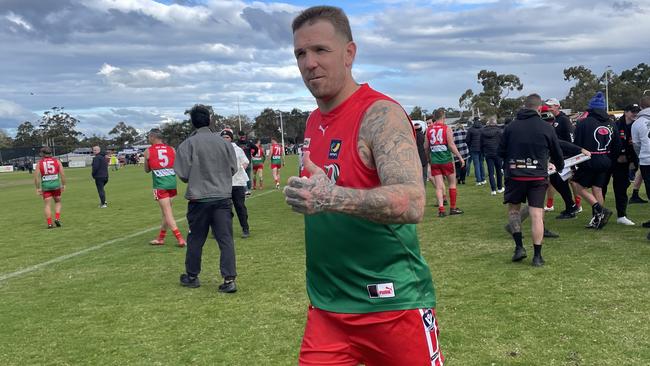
551,102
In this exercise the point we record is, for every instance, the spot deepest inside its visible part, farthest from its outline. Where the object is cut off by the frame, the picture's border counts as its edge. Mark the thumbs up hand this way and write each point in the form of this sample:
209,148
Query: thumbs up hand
309,195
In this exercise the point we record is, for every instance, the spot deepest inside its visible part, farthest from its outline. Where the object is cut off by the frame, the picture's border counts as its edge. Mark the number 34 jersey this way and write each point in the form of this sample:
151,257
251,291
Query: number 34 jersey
161,163
439,151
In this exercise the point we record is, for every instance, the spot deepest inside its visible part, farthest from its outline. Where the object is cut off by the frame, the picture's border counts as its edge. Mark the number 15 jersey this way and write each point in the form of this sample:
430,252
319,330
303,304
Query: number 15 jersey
161,163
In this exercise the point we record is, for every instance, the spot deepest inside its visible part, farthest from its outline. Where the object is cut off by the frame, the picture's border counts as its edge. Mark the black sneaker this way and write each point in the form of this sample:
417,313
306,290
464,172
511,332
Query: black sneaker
566,215
228,287
550,234
646,224
50,226
455,211
190,281
520,253
593,223
538,261
57,223
441,214
245,234
637,199
604,218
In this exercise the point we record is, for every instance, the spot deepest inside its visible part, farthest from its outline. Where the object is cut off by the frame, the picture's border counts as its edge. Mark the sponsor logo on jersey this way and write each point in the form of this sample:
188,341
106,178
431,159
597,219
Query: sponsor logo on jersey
381,290
428,320
335,149
333,171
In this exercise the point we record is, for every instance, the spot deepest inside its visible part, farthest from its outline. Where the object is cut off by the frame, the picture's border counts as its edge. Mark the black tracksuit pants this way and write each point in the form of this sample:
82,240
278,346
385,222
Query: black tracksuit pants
239,201
201,216
621,181
562,187
100,183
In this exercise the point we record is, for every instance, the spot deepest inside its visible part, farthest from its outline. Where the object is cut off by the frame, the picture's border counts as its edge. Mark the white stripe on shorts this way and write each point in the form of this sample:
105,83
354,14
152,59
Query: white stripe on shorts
427,333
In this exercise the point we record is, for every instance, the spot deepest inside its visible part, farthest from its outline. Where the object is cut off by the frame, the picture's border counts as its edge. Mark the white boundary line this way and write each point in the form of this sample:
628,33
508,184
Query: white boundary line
62,258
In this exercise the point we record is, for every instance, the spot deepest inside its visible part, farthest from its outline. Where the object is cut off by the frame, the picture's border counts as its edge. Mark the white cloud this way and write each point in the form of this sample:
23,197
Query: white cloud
18,20
12,114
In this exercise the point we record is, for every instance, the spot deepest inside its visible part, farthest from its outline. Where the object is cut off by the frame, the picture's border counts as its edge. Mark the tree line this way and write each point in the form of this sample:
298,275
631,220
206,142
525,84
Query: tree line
58,128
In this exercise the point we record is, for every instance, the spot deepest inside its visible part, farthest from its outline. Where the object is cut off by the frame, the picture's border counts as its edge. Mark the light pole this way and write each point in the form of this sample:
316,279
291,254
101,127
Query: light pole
281,131
238,114
607,88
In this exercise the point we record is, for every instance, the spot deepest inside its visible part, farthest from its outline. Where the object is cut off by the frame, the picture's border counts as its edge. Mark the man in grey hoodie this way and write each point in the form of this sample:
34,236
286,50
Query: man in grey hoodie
641,142
207,163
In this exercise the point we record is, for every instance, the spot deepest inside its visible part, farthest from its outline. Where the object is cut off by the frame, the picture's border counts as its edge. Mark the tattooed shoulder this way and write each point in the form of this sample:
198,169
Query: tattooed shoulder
386,143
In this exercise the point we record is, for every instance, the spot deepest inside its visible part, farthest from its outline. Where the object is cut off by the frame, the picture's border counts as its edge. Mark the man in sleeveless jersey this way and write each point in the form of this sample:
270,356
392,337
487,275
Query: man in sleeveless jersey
159,161
49,180
277,161
258,165
440,143
371,292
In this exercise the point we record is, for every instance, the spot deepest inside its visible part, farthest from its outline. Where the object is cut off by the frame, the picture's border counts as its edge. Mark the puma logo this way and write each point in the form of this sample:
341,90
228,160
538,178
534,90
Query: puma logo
320,127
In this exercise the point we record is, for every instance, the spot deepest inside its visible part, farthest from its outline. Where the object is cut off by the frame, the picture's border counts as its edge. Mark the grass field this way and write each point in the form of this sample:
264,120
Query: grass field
120,303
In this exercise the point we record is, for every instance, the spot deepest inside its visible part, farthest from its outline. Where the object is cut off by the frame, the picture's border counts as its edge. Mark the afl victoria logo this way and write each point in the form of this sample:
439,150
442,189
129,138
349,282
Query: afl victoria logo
333,171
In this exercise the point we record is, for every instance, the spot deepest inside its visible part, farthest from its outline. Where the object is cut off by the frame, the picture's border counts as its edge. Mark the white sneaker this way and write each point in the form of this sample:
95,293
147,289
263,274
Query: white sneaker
625,221
549,209
494,193
501,190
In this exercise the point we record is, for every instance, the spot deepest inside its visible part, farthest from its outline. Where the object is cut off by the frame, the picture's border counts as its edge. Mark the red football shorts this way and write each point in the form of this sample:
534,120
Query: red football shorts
388,338
258,167
163,193
276,166
442,169
55,193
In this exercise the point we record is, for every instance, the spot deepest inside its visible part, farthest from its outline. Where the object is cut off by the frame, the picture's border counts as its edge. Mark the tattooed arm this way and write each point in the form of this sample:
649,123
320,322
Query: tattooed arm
386,143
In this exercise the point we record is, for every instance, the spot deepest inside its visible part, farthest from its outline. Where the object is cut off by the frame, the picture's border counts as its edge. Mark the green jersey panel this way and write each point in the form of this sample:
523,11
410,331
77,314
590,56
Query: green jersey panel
358,266
164,179
50,182
440,154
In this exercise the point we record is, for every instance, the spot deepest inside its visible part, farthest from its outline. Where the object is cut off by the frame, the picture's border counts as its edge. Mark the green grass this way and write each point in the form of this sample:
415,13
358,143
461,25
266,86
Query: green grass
122,305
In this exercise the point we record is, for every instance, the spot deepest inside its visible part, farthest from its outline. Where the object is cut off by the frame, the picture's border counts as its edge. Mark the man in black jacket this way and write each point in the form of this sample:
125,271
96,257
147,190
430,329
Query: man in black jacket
563,126
473,141
419,139
100,174
490,138
596,134
621,166
526,146
250,149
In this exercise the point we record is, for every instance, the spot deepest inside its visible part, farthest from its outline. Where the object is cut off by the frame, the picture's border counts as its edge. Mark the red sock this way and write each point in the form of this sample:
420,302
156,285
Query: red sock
441,208
177,234
578,199
452,197
49,221
161,235
57,216
549,202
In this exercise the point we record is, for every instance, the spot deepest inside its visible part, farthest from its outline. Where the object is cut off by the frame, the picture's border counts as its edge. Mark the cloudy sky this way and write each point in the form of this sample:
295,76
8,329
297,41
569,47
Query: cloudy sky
144,61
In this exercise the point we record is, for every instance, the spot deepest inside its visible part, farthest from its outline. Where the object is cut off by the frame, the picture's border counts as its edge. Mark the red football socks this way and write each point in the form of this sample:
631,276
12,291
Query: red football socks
549,202
161,235
177,234
57,216
452,197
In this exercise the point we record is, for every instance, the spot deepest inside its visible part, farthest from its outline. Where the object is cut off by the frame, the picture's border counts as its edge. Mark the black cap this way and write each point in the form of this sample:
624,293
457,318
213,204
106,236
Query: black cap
226,133
634,108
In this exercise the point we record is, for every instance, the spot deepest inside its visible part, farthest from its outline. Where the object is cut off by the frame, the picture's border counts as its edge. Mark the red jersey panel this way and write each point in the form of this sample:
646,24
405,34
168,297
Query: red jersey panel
48,166
276,151
437,134
161,156
331,139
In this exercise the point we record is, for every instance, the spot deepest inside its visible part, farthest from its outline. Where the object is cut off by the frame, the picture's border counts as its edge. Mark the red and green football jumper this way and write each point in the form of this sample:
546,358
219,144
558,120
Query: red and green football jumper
354,265
161,163
258,159
442,161
276,156
50,178
368,267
